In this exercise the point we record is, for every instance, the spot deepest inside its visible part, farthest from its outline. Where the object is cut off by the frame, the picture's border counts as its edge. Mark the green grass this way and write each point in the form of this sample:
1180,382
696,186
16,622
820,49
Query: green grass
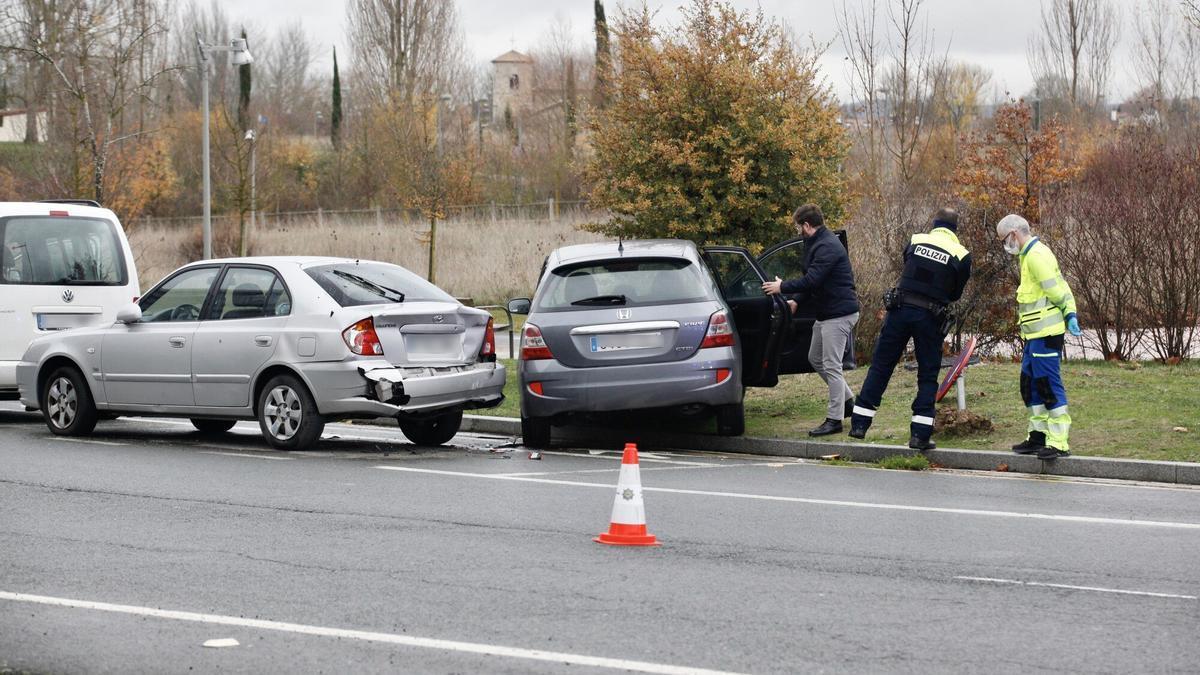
1118,410
904,462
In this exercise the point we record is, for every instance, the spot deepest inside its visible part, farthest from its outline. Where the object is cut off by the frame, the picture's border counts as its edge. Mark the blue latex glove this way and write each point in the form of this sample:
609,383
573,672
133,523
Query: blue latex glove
1073,325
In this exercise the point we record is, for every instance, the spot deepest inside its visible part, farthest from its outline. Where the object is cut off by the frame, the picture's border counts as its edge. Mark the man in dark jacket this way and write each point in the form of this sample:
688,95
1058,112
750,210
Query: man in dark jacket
828,287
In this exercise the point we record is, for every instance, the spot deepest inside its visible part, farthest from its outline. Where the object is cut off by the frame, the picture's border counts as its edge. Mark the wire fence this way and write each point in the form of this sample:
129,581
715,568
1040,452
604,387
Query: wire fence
549,211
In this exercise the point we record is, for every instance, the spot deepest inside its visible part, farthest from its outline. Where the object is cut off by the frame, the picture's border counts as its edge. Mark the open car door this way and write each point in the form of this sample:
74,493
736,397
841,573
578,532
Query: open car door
786,261
760,319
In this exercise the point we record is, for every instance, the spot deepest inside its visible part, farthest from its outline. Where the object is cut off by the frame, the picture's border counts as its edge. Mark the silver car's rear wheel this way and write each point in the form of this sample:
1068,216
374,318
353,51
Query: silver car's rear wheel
287,414
283,412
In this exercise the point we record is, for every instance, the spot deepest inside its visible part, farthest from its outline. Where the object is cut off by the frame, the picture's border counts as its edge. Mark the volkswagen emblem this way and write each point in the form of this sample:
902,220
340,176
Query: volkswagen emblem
438,318
68,295
624,314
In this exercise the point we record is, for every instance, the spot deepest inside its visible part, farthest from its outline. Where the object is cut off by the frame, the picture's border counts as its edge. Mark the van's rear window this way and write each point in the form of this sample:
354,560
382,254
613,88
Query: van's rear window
627,282
50,250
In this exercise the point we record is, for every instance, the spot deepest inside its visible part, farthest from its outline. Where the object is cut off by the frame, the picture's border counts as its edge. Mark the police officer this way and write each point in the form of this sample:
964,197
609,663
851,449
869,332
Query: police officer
936,269
1046,311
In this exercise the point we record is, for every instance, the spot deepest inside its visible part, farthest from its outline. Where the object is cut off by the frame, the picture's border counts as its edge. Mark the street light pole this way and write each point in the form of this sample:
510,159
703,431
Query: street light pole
253,138
240,56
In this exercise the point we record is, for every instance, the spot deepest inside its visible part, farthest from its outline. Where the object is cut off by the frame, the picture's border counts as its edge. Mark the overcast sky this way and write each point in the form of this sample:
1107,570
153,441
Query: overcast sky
991,33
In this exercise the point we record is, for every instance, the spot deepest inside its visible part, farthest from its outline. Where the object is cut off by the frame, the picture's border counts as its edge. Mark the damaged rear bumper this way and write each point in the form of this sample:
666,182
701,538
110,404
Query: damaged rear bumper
387,391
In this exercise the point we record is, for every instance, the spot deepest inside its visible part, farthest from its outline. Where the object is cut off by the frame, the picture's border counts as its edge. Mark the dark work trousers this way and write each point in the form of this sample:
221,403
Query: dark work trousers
901,324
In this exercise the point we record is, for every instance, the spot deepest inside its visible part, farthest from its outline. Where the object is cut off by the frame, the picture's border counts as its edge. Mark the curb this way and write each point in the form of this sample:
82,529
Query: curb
1184,473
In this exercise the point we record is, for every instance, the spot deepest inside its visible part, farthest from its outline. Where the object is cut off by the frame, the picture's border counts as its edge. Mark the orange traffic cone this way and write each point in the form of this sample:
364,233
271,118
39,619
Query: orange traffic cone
628,522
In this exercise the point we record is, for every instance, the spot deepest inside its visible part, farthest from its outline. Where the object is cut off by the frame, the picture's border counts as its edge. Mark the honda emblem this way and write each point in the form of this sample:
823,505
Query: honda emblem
624,314
438,318
68,295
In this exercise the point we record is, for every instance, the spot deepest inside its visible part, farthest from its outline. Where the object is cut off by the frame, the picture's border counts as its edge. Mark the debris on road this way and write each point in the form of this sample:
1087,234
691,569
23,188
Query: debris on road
222,642
535,455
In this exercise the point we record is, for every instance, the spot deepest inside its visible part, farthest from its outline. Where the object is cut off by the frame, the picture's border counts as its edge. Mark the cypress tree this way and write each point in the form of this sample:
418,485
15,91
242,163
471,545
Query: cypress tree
572,104
243,109
335,115
601,93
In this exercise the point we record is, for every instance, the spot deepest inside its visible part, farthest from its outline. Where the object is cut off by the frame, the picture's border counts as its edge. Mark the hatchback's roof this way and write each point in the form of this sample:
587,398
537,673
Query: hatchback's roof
630,248
8,209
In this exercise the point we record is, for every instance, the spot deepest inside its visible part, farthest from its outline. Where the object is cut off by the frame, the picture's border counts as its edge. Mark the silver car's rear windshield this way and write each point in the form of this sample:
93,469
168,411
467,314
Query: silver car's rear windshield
353,284
629,282
60,250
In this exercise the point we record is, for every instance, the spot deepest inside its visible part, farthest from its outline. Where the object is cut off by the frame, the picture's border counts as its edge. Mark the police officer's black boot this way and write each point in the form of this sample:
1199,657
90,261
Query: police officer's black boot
1031,445
917,443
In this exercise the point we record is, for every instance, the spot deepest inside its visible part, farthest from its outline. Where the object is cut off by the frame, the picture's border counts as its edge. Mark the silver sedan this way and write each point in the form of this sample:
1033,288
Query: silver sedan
289,341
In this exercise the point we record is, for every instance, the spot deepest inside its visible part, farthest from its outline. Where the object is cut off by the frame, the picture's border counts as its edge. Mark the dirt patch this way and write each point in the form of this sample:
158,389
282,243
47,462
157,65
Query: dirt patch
955,422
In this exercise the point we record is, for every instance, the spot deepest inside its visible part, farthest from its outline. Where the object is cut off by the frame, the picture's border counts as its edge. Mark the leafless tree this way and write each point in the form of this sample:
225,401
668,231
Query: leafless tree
99,66
1075,47
406,49
1155,31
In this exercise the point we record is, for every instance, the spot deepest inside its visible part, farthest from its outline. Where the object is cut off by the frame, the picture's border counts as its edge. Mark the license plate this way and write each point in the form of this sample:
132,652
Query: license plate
432,344
625,341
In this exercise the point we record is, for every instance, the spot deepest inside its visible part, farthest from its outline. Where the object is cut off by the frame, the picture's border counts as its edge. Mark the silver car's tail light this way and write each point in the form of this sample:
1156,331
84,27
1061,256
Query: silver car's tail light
720,331
488,351
533,345
362,339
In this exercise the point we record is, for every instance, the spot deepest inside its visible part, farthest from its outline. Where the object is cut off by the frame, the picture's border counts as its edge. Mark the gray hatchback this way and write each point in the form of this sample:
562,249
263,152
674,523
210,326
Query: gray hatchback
658,324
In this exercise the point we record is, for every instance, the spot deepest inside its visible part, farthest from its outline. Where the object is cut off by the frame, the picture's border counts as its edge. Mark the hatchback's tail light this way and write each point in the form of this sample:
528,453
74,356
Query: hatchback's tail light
533,345
488,351
720,331
362,339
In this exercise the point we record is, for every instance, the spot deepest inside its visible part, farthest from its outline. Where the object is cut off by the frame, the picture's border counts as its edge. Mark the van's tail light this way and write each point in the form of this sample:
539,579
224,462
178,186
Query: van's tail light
720,331
533,345
488,351
362,339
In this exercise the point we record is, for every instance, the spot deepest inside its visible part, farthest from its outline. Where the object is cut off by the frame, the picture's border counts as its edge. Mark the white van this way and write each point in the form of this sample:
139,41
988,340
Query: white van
63,264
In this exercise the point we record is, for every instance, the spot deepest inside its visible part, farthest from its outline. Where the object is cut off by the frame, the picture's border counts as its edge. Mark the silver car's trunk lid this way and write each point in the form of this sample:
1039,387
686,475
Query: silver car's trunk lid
429,333
613,336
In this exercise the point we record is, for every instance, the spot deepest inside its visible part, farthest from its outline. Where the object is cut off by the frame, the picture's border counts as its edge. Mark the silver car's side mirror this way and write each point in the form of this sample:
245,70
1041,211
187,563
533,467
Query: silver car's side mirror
130,313
519,305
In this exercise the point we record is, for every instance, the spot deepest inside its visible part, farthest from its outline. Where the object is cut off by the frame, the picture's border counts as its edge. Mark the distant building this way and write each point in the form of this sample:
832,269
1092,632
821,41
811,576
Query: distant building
512,86
12,125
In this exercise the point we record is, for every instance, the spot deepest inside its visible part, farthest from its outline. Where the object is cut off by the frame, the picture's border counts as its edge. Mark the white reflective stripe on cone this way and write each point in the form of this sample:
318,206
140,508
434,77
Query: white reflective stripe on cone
628,508
865,412
921,419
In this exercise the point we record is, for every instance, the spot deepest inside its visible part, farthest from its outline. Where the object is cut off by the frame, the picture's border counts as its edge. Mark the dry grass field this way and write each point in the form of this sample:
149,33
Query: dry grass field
483,260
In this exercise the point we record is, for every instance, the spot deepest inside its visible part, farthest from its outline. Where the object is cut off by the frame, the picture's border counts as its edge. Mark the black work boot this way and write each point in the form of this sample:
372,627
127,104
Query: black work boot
858,431
1031,445
1049,453
827,427
917,443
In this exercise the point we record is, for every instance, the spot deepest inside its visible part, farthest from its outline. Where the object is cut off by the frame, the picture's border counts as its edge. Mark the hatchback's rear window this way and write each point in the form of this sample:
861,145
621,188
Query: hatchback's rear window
352,284
52,250
623,283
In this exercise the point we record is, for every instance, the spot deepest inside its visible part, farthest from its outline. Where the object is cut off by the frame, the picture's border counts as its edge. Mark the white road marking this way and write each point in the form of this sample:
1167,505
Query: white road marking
1097,589
642,457
221,642
824,502
388,638
88,440
243,454
644,469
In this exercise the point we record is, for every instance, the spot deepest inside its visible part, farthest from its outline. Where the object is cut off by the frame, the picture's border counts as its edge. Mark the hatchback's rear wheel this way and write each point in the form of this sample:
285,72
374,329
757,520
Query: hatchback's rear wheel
436,430
213,426
731,419
287,414
535,432
67,404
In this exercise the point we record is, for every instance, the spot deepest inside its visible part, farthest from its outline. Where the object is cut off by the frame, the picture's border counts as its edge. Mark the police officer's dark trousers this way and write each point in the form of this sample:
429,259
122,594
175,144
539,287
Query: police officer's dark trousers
899,326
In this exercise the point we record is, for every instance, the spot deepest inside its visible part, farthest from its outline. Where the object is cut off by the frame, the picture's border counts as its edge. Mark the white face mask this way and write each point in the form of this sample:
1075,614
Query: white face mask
1010,245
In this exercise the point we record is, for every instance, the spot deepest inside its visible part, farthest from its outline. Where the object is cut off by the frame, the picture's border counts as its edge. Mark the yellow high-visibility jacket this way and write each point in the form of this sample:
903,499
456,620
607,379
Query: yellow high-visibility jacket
1043,299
